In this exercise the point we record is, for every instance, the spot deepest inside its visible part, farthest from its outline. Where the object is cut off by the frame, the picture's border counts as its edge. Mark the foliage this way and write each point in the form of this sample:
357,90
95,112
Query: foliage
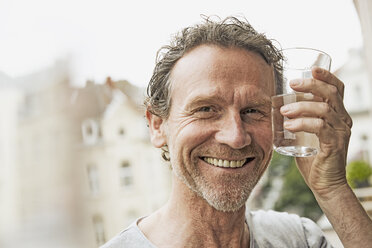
296,196
357,173
279,164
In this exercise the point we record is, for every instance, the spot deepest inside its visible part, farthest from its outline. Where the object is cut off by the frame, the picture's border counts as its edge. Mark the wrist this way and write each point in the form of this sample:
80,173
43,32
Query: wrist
332,192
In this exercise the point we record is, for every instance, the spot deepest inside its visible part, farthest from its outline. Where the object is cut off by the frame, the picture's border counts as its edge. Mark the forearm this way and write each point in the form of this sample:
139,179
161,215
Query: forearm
347,216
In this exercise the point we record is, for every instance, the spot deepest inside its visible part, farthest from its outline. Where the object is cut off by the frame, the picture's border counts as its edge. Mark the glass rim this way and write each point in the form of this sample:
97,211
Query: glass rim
306,49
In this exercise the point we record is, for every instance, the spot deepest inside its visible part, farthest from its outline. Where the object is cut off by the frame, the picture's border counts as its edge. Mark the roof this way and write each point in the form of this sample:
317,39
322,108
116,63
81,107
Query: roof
135,94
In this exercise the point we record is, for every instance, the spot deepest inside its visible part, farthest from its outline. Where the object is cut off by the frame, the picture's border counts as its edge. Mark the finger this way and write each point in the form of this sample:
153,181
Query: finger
329,93
313,109
326,76
330,139
318,88
277,102
317,110
306,124
317,126
320,127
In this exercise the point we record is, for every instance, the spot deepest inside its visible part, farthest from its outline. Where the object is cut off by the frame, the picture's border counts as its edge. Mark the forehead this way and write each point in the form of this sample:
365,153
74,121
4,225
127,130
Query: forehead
217,64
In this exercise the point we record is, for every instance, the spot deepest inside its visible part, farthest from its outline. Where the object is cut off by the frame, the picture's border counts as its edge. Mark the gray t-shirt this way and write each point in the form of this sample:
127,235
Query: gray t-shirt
267,229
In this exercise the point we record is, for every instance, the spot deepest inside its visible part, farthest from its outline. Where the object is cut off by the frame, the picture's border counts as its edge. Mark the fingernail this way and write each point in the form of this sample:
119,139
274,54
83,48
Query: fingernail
284,109
287,124
294,83
318,70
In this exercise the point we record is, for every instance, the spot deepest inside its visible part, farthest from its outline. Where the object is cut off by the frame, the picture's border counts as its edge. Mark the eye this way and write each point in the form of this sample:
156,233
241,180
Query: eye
252,114
205,109
250,111
205,112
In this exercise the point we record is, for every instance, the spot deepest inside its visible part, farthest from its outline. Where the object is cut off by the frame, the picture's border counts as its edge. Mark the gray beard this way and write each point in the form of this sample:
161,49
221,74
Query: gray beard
223,197
227,198
228,193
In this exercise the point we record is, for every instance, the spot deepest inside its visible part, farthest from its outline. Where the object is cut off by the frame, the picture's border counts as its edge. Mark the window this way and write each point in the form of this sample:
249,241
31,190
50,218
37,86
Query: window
31,104
93,179
91,131
126,177
99,230
121,131
364,147
358,94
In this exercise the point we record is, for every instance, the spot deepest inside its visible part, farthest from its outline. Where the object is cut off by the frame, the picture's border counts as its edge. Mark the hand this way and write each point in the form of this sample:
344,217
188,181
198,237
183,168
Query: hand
328,119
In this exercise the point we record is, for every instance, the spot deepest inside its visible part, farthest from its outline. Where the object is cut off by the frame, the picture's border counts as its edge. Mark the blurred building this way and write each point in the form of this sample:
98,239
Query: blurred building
123,176
364,10
43,196
9,102
76,165
358,103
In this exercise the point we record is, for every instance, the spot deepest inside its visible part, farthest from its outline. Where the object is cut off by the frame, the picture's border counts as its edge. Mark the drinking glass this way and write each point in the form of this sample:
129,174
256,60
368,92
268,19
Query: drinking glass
297,64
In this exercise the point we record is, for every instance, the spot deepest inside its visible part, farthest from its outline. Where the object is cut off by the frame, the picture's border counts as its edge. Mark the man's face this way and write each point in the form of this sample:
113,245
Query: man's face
219,126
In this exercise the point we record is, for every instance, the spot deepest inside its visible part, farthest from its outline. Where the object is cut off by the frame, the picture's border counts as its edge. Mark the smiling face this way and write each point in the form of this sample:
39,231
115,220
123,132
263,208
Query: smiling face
219,127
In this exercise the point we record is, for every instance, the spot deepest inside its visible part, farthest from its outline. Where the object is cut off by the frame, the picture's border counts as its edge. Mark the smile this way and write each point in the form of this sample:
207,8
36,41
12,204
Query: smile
226,163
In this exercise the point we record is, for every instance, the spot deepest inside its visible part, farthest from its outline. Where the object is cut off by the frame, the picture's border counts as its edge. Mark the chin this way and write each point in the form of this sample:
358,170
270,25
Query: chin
227,199
227,204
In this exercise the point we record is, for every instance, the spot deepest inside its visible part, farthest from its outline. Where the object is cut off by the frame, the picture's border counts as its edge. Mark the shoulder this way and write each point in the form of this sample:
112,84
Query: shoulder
132,237
288,230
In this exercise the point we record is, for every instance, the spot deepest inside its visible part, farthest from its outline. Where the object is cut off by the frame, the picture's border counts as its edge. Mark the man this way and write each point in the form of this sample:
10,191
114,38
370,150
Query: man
208,108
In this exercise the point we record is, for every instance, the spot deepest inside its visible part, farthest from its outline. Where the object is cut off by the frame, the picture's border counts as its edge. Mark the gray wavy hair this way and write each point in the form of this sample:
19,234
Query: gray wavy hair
229,32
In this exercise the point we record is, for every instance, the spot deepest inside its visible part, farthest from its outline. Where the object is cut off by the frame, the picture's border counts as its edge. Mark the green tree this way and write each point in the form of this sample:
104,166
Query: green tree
296,196
278,166
358,173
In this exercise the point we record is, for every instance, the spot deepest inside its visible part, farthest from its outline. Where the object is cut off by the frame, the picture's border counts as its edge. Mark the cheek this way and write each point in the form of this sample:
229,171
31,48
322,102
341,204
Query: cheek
264,137
187,137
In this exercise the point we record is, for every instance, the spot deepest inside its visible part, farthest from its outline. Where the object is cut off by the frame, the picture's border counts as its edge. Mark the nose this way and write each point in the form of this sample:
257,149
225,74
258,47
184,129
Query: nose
233,133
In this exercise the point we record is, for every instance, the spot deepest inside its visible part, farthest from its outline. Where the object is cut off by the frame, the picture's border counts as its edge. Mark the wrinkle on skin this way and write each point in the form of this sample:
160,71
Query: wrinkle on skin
229,84
220,108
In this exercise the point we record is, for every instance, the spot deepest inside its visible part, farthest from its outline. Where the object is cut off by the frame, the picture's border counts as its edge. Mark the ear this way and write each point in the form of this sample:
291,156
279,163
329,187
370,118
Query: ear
156,126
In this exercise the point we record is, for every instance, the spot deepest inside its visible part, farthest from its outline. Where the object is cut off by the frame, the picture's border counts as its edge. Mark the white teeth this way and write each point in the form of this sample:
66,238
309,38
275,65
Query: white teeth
233,164
225,163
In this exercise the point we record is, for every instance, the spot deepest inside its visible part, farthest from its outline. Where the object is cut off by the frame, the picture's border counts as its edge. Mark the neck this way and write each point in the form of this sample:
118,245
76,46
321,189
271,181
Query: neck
191,222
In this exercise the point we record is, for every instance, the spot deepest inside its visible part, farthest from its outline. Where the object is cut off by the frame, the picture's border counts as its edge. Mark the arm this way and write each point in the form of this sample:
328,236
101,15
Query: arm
348,218
325,173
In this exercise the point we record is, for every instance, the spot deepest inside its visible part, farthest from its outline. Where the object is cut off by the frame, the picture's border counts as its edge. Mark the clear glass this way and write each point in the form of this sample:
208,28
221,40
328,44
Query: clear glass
297,64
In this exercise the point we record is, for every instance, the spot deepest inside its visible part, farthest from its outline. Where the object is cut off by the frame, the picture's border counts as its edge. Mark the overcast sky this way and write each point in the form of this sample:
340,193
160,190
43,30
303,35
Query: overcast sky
119,38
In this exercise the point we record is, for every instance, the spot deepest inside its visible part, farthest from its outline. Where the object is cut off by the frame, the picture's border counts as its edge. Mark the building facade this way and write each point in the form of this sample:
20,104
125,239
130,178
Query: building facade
364,10
78,165
9,103
357,100
123,175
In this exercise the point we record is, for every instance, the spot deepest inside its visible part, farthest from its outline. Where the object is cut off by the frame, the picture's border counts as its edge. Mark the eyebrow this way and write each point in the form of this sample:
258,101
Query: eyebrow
200,99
